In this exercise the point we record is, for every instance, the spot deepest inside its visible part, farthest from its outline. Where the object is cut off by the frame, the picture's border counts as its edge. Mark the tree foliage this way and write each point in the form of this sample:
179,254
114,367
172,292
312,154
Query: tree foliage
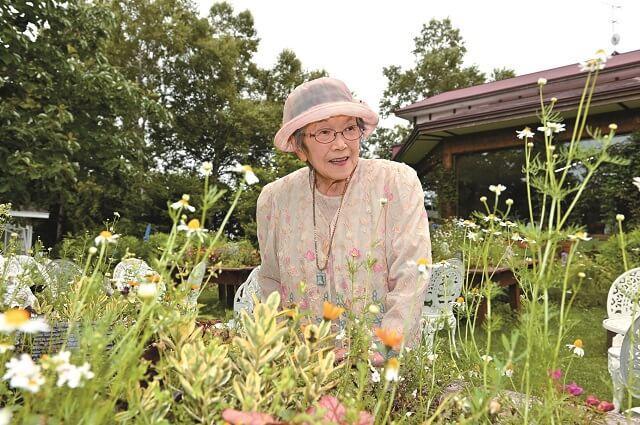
112,106
439,67
69,132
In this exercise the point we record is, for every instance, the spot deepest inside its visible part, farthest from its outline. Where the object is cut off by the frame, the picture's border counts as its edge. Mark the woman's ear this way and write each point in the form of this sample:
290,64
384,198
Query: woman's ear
302,156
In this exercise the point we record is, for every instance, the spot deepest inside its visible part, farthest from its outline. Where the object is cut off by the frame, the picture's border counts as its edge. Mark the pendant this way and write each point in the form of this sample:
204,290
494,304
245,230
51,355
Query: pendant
321,278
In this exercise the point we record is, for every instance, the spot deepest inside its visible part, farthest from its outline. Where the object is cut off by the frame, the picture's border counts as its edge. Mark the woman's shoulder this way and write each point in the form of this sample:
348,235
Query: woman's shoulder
285,185
383,168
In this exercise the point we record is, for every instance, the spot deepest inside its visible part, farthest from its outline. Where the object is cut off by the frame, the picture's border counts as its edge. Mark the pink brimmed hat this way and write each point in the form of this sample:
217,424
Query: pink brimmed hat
317,100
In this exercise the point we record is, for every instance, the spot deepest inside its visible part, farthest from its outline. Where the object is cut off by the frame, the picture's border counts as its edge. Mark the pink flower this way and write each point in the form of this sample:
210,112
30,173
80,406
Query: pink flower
573,389
592,400
378,268
237,417
355,253
555,374
335,412
310,255
605,406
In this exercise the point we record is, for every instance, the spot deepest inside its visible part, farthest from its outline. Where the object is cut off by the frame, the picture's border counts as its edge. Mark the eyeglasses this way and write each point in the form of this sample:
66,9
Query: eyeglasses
328,135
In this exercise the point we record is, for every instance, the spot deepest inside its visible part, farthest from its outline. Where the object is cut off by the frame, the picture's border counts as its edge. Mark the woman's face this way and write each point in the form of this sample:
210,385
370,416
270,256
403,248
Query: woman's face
334,160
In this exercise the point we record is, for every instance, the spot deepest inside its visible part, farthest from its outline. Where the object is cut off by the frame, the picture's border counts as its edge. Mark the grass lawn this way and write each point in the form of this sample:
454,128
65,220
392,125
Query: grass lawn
212,307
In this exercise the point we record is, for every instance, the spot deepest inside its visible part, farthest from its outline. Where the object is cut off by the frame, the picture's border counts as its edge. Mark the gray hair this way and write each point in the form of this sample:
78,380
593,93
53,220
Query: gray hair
299,134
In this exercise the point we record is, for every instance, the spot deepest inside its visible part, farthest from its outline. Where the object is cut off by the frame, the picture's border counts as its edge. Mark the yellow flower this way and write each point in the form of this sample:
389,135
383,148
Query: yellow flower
391,338
331,312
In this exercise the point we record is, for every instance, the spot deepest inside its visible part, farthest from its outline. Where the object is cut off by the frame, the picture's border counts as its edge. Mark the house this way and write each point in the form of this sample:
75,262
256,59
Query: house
464,140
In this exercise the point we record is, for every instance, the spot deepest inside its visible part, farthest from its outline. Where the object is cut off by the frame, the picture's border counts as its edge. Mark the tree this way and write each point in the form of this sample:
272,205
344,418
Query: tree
502,74
69,136
439,52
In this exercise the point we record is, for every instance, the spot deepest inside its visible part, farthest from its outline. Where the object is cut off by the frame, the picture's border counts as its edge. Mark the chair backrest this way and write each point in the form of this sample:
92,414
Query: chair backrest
61,273
131,269
630,359
445,285
624,292
243,299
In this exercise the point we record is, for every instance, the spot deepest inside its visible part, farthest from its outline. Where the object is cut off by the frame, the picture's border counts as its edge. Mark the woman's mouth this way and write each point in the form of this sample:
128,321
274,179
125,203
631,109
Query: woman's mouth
339,161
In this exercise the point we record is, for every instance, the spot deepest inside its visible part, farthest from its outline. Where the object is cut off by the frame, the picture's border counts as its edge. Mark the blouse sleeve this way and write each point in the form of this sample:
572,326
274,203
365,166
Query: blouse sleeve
407,240
269,273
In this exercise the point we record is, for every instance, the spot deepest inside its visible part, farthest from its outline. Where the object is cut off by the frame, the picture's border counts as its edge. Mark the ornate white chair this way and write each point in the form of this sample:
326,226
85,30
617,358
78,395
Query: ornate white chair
129,273
243,299
624,365
21,272
622,302
61,273
445,286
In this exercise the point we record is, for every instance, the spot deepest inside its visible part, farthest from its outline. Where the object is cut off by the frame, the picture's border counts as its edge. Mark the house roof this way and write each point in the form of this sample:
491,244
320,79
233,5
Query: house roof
515,101
509,84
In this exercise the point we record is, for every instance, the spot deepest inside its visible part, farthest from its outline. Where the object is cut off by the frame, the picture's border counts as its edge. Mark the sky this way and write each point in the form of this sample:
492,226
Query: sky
354,39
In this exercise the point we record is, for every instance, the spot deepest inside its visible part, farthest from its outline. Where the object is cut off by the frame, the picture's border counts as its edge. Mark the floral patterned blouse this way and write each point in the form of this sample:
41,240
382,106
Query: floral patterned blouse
382,231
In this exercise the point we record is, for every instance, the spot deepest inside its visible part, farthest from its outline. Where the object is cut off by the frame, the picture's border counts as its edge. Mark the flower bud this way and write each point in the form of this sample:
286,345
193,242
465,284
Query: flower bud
93,250
483,199
509,202
613,126
542,81
619,217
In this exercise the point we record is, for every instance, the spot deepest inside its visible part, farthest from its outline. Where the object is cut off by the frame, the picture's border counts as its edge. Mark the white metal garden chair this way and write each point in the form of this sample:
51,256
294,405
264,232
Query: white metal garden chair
445,286
243,299
624,365
622,302
20,272
133,271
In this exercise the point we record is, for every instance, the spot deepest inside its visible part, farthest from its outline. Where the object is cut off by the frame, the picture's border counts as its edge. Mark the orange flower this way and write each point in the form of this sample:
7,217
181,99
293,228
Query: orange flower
389,337
133,283
331,312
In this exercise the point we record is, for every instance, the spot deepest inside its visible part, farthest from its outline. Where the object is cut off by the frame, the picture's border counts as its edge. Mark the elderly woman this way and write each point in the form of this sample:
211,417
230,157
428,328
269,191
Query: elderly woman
344,229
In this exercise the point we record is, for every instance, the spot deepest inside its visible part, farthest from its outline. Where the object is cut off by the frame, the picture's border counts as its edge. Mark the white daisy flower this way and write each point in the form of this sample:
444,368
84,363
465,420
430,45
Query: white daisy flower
498,189
18,319
636,182
183,203
193,228
73,375
391,370
106,237
552,127
206,169
595,63
525,132
249,175
577,347
24,373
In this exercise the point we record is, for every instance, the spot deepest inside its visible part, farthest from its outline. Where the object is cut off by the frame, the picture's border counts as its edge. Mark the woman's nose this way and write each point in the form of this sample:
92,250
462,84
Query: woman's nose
339,143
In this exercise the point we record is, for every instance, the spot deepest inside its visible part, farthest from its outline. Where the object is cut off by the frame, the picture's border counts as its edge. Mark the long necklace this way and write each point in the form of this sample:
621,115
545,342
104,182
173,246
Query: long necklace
321,275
